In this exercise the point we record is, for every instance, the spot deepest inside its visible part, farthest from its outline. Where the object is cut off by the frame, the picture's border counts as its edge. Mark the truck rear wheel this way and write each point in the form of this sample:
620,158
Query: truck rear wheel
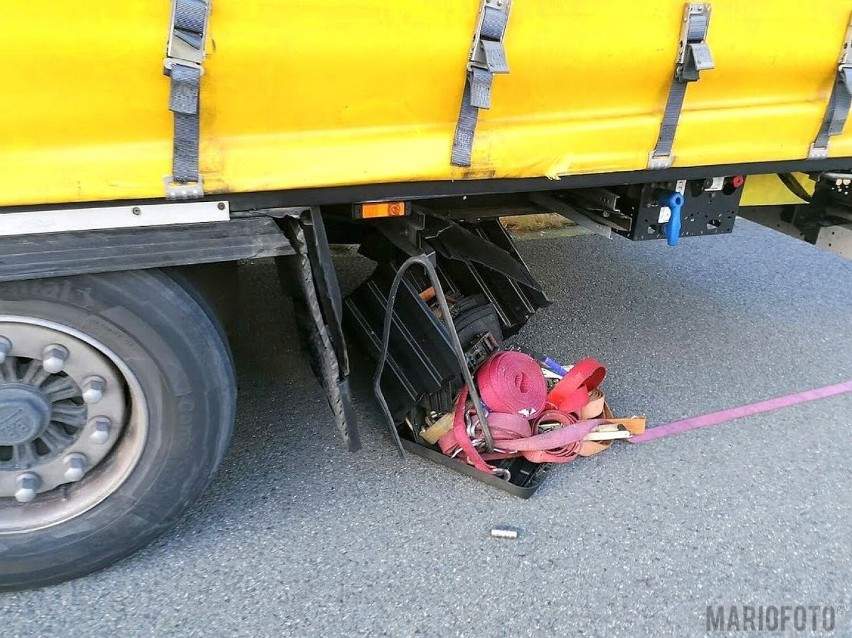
117,400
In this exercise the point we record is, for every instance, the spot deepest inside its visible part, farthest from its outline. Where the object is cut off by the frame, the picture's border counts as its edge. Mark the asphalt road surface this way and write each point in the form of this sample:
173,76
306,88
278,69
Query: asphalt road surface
297,537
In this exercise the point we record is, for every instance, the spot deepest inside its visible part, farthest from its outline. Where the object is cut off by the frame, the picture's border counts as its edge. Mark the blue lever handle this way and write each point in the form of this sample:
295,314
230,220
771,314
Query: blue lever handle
674,201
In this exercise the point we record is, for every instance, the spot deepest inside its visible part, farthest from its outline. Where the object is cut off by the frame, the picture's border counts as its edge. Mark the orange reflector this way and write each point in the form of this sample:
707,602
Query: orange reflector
382,209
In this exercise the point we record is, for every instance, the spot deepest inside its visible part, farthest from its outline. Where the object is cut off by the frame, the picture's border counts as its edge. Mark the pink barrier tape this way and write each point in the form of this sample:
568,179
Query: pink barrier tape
715,418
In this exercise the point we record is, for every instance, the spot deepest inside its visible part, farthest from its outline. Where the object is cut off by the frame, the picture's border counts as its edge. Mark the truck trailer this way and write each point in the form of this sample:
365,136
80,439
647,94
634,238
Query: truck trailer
147,148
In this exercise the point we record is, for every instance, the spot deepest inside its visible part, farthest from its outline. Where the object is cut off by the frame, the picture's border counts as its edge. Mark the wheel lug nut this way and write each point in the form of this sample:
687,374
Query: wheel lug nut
28,484
75,466
5,347
100,430
93,389
54,357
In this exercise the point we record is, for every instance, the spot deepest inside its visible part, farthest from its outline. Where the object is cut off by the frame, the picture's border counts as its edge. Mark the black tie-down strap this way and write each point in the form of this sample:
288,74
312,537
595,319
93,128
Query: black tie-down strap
837,111
693,57
487,57
184,57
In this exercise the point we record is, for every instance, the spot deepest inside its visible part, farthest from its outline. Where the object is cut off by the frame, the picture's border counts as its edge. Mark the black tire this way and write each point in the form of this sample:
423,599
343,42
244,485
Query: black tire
167,337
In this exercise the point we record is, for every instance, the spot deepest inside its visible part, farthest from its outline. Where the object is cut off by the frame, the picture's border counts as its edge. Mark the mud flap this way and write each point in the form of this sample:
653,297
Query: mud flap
311,282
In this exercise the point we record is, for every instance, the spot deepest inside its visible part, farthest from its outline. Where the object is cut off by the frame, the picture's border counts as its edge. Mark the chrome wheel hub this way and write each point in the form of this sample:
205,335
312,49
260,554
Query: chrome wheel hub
24,414
70,430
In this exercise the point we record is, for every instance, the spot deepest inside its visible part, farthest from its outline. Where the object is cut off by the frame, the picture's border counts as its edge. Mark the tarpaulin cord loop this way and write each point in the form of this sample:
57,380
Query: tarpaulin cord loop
487,57
458,350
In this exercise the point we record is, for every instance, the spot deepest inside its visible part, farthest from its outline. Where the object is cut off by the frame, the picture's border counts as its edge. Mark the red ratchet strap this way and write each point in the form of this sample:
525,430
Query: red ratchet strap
715,418
571,394
525,420
512,383
513,387
596,405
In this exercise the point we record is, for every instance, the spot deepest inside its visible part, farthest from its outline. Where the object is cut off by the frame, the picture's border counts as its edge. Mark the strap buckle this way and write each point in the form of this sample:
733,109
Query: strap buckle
698,58
183,190
486,57
487,53
187,32
183,65
693,56
170,63
657,162
693,52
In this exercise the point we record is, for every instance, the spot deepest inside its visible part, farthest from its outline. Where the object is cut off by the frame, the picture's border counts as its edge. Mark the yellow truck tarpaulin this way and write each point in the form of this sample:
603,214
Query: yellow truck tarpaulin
315,93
